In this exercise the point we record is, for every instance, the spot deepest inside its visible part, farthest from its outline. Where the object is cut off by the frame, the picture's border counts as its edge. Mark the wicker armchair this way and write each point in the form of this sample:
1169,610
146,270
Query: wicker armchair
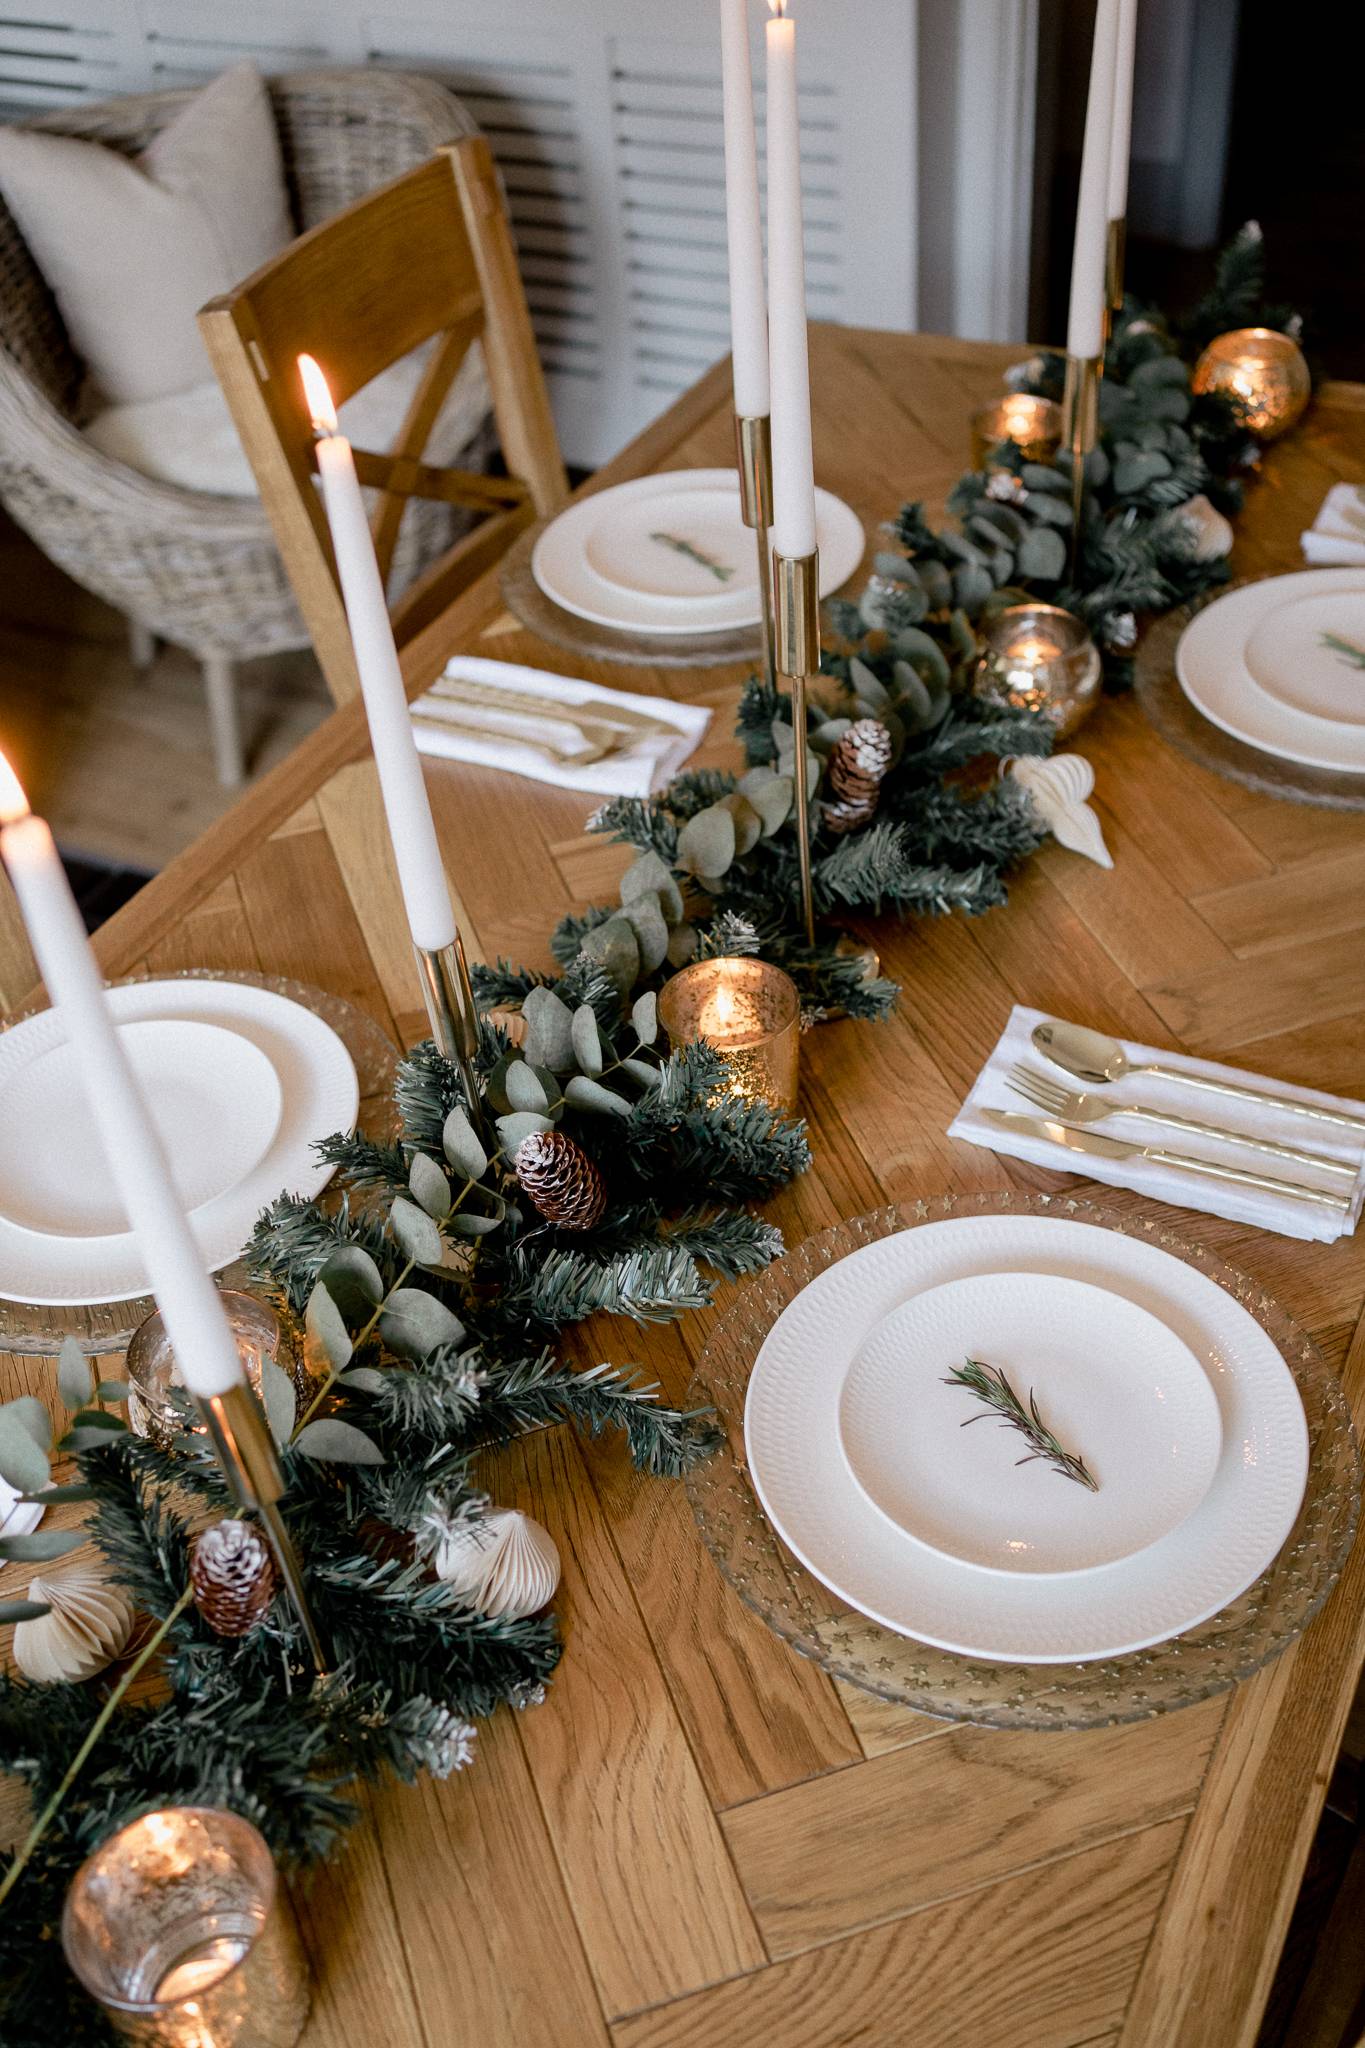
199,571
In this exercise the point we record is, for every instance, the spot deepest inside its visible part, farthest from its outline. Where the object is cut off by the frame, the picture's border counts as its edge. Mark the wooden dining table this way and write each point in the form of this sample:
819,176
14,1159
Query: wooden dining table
700,1840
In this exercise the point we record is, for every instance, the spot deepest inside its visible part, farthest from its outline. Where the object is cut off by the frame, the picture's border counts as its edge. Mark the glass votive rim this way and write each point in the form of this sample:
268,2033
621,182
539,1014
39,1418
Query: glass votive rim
251,1861
1004,629
1062,685
990,427
153,1375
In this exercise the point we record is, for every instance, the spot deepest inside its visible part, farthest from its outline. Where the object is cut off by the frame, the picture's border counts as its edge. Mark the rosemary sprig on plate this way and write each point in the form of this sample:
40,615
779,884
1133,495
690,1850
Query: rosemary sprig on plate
1347,649
720,570
989,1384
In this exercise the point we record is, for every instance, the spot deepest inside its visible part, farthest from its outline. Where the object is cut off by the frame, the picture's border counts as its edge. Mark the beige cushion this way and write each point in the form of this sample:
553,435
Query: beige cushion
189,439
133,247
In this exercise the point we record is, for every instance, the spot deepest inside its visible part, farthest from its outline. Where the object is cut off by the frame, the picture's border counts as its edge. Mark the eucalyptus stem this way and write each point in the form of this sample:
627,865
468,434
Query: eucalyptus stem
97,1728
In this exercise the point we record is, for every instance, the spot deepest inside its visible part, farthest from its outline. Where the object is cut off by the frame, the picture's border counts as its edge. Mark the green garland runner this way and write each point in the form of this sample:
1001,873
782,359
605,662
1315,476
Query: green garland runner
431,1292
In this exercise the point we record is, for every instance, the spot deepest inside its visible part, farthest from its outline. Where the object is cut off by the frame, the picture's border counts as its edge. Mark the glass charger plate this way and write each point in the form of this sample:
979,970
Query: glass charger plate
106,1326
1190,1667
1175,718
524,597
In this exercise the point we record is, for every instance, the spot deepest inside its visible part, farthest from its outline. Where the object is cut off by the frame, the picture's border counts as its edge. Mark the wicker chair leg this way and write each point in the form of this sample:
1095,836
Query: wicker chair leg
220,687
141,643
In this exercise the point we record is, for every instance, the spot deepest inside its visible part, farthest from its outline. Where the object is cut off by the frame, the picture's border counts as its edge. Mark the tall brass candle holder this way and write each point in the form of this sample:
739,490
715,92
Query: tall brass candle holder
453,1014
754,441
797,582
1080,432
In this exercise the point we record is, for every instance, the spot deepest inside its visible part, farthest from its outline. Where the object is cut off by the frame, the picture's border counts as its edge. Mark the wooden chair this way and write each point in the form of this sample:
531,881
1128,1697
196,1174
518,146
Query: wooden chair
18,968
429,255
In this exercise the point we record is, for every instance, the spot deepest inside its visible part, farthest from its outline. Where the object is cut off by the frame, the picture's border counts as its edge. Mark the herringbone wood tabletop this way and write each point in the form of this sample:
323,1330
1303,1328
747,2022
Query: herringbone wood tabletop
699,1841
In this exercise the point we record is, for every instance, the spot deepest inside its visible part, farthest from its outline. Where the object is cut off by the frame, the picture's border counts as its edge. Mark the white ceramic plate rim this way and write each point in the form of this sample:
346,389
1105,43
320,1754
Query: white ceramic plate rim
1101,1316
821,1514
1212,671
214,1174
560,567
320,1094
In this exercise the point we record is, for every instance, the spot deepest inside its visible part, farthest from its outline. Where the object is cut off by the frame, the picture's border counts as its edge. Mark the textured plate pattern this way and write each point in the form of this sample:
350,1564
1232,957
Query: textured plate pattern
1205,1660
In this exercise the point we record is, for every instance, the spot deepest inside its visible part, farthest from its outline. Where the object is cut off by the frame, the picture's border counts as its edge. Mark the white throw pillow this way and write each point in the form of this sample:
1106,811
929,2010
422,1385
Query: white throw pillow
132,247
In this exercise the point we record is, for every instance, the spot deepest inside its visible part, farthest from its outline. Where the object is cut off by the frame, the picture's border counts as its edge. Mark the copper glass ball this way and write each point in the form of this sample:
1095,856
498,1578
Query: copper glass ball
1264,374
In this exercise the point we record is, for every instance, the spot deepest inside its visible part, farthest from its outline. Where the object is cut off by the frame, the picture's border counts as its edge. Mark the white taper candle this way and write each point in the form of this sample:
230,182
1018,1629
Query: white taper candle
1085,322
743,217
1121,133
788,346
196,1323
407,808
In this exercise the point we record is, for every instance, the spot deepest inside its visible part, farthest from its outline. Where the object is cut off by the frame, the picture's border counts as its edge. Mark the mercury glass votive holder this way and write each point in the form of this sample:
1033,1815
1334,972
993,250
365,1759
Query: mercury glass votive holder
179,1928
1263,372
153,1374
1032,424
1037,657
749,1011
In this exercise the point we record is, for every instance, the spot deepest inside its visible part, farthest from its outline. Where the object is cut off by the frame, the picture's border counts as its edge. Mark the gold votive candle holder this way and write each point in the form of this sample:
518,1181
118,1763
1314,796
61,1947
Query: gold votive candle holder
1037,657
1031,424
1263,372
179,1928
153,1375
748,1010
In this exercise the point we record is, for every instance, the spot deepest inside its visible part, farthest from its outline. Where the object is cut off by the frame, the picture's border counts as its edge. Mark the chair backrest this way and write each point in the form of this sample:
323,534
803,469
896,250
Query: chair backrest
429,255
19,975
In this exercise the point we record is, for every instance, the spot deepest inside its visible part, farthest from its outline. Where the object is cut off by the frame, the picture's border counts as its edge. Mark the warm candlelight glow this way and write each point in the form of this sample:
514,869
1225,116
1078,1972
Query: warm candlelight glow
1031,424
719,1015
1263,372
1031,650
748,1010
1037,657
13,802
321,410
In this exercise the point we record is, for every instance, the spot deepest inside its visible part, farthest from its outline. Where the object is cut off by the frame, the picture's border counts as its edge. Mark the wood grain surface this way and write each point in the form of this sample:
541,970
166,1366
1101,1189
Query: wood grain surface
699,1841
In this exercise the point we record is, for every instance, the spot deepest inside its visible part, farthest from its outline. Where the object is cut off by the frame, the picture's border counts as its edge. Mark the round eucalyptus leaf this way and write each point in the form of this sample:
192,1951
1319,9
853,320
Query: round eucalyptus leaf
512,1129
614,949
113,1390
462,1145
468,1223
92,1431
748,823
354,1282
279,1400
866,687
650,927
368,1379
587,1039
22,1610
549,1022
333,1442
524,1088
416,1235
413,1322
682,944
644,1017
651,875
31,1414
429,1185
640,1070
593,1097
706,844
1042,556
40,1546
971,586
326,1337
75,1374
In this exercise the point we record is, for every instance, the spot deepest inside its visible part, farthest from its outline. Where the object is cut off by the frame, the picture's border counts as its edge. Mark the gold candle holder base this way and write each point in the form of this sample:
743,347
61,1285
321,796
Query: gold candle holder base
241,1437
1080,432
797,609
754,443
453,1015
1115,253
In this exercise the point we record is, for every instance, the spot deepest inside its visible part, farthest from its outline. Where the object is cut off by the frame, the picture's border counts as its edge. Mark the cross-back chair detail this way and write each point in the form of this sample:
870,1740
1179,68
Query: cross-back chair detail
428,257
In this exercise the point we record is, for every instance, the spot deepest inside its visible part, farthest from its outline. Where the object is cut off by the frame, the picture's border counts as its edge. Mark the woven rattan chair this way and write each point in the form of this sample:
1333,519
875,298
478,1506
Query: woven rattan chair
202,572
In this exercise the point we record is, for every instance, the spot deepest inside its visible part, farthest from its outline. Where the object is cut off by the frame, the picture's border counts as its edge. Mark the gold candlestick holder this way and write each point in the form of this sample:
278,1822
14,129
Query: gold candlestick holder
1080,433
797,608
754,441
453,1015
241,1437
1114,257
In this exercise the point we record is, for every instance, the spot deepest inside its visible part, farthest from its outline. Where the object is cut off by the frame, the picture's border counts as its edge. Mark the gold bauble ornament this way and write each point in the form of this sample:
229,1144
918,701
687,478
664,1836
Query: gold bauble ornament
1263,372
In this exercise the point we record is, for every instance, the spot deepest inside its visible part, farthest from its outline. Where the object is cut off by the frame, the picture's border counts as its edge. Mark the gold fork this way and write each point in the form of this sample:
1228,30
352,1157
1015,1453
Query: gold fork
1055,1100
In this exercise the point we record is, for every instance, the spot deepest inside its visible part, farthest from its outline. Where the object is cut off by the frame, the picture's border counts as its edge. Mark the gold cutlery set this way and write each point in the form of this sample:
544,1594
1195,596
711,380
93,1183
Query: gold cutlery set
1067,1117
568,733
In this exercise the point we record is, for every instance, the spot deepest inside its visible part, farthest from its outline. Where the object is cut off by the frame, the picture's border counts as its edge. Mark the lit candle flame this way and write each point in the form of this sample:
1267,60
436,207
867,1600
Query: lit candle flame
723,1008
321,410
13,803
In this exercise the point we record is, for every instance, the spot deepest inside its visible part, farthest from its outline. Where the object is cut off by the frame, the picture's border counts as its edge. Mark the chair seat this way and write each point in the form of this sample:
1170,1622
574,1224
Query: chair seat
189,439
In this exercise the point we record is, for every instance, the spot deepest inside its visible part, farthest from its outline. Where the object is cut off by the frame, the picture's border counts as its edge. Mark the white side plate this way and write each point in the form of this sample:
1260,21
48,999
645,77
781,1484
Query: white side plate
1211,663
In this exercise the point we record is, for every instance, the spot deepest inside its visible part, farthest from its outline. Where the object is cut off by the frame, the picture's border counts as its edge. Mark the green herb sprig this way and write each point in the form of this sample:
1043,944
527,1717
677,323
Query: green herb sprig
990,1384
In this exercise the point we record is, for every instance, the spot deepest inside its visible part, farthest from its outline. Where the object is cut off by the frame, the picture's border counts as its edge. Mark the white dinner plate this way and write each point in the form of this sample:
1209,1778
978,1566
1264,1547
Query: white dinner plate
1302,653
1211,661
319,1094
818,1509
214,1098
1112,1384
603,561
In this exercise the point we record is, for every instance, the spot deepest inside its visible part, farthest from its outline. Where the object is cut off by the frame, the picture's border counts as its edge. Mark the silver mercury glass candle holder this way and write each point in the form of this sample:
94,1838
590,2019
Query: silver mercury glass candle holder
1037,657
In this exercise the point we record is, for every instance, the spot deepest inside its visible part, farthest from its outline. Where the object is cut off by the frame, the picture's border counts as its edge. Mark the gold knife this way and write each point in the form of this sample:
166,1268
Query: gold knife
1097,1146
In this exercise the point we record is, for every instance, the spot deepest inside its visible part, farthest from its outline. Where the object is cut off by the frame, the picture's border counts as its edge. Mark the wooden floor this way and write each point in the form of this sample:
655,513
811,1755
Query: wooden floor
117,758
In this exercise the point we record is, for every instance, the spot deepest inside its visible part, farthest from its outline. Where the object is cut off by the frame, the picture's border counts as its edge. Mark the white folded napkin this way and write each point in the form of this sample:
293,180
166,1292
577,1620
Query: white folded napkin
1292,1218
543,747
1338,532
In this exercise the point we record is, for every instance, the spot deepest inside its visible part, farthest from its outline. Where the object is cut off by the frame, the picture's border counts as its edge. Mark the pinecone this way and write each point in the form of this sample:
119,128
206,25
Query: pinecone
234,1577
856,768
561,1180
